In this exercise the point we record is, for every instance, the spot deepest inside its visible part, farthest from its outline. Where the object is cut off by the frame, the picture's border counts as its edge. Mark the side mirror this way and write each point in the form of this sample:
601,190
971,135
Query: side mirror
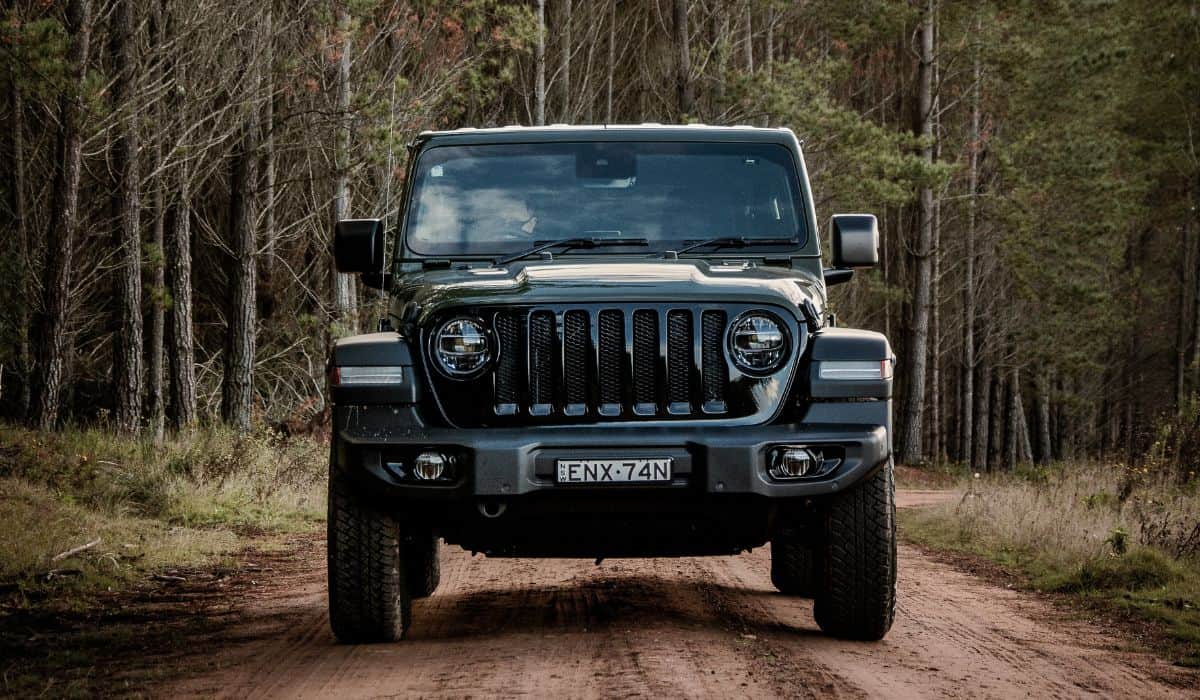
358,245
855,240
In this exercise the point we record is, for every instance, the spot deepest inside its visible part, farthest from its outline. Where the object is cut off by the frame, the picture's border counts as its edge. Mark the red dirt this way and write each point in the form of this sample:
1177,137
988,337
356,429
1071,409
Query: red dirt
693,627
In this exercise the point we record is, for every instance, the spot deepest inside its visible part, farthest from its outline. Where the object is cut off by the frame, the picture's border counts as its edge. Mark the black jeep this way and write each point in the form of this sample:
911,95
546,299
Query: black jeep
610,342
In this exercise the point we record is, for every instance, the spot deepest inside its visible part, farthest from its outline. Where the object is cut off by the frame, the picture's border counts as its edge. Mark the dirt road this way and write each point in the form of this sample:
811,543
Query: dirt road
706,627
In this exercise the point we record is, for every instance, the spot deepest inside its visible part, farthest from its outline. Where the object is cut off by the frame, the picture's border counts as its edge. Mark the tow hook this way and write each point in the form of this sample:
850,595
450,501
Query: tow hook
492,509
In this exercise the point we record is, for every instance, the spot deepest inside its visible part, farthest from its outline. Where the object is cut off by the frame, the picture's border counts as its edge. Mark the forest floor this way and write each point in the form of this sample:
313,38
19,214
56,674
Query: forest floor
692,627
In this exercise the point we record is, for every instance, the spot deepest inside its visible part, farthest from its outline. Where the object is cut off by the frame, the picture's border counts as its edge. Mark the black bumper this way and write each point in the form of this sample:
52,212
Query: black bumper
508,463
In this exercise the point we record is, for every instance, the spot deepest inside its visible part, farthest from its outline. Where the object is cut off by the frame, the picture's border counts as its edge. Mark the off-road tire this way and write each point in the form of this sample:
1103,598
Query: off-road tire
793,566
422,570
368,598
857,595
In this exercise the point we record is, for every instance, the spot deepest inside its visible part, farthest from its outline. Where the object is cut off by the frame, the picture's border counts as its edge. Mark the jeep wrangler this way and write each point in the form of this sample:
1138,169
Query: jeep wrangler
610,342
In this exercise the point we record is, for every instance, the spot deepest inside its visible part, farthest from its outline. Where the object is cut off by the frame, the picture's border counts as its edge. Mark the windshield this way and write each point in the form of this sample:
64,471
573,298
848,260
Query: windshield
500,198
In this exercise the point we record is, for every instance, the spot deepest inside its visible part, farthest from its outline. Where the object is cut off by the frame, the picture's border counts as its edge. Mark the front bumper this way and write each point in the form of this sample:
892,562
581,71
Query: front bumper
507,463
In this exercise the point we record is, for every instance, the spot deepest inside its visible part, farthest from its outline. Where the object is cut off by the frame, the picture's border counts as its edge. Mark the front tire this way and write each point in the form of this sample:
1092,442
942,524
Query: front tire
423,571
793,566
857,596
368,598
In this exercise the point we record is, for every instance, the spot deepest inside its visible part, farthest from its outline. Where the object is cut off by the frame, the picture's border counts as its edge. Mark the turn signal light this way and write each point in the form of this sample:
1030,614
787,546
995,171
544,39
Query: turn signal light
367,376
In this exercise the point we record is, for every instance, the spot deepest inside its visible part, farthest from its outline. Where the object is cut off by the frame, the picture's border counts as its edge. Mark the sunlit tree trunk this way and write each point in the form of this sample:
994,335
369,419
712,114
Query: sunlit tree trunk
344,298
612,62
539,60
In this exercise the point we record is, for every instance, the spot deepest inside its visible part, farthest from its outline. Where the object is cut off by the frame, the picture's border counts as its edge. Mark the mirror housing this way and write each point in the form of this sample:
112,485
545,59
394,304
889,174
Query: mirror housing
854,239
358,245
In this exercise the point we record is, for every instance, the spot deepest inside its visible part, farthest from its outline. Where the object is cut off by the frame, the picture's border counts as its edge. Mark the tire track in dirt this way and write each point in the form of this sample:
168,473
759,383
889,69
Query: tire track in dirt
691,627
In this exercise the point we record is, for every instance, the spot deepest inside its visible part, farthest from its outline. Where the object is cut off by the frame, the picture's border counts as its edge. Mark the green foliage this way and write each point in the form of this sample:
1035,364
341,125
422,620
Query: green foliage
854,161
1124,571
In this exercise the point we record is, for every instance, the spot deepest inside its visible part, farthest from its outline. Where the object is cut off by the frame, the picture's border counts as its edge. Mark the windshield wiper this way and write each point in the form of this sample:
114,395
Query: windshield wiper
569,243
736,242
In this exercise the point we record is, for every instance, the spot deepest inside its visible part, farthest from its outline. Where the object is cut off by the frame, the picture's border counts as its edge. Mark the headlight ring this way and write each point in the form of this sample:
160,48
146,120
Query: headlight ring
758,343
461,347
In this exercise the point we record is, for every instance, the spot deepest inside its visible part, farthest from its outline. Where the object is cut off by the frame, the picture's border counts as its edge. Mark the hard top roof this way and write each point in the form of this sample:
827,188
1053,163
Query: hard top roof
610,132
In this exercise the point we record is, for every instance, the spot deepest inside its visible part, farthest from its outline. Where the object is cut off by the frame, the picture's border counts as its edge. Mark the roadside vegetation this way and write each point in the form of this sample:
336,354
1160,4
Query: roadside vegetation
82,510
1123,537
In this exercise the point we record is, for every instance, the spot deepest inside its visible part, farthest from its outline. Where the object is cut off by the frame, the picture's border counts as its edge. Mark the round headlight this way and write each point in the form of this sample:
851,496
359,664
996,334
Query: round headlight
758,343
461,347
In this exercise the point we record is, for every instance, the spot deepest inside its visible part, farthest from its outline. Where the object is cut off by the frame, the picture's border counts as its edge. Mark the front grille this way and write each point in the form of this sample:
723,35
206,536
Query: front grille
610,364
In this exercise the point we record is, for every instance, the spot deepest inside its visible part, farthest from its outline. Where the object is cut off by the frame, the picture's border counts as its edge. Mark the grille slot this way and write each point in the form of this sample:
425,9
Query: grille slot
543,355
612,353
679,362
716,374
645,362
510,365
577,344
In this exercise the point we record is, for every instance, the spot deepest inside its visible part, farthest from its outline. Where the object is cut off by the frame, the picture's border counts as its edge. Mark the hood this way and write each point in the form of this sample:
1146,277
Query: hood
418,295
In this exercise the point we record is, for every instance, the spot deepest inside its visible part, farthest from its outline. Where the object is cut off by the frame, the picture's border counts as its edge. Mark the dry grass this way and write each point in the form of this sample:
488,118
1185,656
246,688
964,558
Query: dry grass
183,503
1127,538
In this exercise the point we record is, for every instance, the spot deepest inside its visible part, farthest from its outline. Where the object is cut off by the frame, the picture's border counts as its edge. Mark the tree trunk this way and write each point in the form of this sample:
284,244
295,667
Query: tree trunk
127,343
1195,225
156,357
16,193
935,356
721,39
996,419
612,62
270,233
564,59
55,343
748,44
183,364
683,67
769,49
979,450
345,313
918,338
539,60
237,397
969,260
1024,448
1046,448
1011,421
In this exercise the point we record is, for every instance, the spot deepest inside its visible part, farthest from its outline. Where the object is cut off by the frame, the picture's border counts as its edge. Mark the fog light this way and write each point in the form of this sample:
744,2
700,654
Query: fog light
793,462
430,466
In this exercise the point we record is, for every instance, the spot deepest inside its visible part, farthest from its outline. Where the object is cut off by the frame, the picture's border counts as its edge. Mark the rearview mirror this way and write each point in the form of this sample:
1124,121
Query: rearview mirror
854,239
358,245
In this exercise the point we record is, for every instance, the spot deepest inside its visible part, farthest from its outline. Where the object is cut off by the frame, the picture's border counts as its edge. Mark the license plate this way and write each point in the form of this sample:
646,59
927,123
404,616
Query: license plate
603,471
